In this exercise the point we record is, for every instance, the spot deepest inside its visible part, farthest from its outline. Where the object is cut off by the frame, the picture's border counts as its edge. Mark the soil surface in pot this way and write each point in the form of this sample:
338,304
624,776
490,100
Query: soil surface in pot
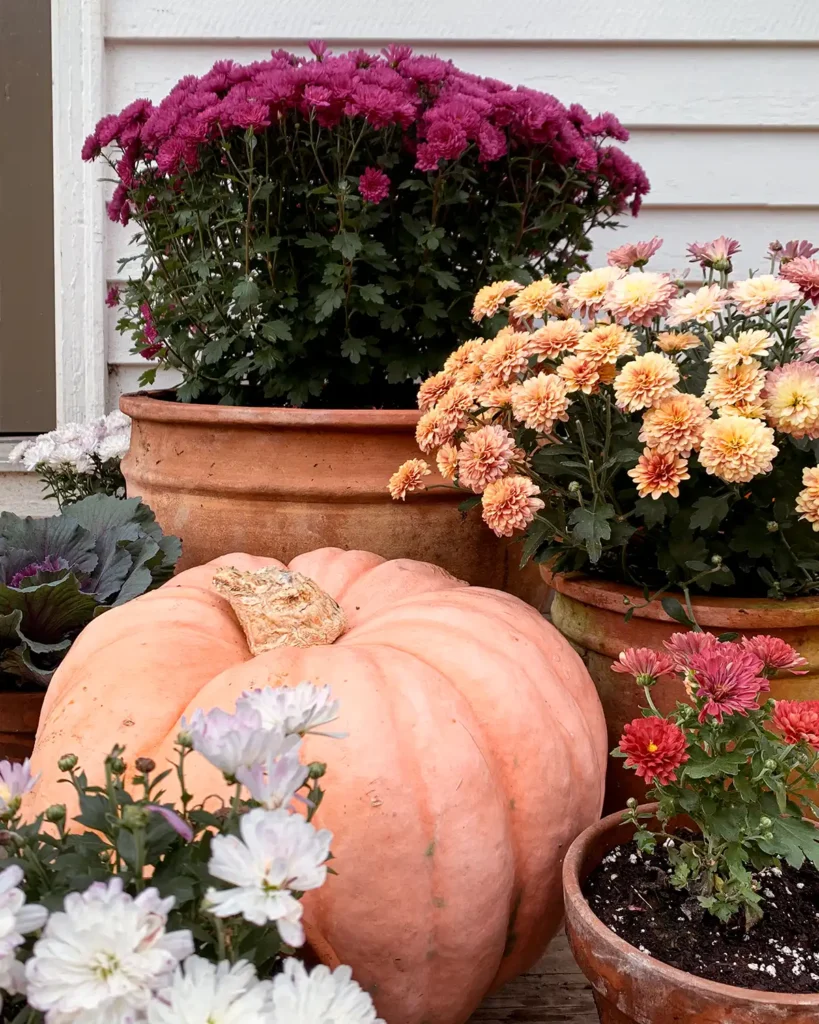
632,895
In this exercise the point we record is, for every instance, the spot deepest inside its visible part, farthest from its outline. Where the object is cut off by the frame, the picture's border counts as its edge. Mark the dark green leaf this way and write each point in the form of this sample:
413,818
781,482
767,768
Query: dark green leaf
592,527
277,330
246,293
348,243
675,611
709,511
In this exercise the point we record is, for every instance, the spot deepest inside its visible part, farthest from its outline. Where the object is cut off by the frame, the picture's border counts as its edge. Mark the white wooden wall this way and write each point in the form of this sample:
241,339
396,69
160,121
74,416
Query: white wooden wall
721,96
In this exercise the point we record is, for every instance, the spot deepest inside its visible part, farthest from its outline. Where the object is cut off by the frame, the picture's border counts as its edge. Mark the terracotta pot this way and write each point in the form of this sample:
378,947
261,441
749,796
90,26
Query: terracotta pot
590,614
19,715
631,987
280,482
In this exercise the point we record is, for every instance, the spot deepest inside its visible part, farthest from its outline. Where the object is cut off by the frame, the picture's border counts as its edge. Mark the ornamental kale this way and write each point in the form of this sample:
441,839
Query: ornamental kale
58,573
742,767
311,231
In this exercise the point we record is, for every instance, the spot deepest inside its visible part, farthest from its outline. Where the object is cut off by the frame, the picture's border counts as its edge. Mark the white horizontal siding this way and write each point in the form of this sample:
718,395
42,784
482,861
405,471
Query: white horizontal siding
722,99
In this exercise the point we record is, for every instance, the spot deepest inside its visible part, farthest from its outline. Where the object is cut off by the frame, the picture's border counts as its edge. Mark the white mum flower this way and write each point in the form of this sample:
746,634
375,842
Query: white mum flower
19,450
205,993
15,781
296,709
320,997
114,445
274,784
235,741
100,958
278,853
116,421
17,918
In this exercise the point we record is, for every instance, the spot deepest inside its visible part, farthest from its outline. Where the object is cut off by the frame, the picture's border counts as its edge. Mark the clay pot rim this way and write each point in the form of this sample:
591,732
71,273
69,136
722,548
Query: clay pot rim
751,613
574,870
148,405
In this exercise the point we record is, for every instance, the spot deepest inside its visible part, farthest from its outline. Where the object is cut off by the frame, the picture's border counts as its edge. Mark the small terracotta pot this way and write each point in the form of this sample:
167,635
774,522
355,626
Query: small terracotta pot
631,987
280,482
19,715
590,614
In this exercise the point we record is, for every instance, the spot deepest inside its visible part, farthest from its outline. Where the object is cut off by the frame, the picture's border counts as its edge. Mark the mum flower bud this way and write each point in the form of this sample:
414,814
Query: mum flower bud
117,765
67,762
574,487
315,770
134,818
765,823
772,527
144,765
770,764
184,740
55,813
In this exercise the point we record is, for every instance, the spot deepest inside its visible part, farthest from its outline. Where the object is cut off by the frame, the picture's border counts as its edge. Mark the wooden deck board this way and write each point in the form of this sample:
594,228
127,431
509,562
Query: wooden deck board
553,992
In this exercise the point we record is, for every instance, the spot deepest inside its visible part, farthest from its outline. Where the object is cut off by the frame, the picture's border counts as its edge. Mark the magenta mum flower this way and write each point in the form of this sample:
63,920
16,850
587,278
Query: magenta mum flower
728,680
112,298
683,646
776,655
374,185
645,664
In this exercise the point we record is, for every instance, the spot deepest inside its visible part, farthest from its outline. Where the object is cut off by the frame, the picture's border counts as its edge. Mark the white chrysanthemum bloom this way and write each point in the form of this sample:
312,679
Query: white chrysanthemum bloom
17,919
296,709
320,997
278,853
234,741
18,452
101,957
274,784
205,993
116,422
15,781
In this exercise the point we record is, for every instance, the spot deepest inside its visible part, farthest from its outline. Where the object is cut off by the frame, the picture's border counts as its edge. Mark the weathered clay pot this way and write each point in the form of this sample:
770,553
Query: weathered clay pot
19,714
280,482
631,987
590,614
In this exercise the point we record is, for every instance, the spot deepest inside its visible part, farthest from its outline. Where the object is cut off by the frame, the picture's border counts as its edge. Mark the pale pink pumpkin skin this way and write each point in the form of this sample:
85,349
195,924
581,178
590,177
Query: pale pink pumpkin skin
475,753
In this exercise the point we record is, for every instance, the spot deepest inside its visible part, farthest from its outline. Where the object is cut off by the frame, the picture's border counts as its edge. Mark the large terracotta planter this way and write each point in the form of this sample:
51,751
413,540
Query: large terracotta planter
19,714
279,482
631,987
590,614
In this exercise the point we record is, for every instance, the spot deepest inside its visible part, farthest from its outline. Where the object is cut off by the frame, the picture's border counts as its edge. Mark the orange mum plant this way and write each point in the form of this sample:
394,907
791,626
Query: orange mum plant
634,427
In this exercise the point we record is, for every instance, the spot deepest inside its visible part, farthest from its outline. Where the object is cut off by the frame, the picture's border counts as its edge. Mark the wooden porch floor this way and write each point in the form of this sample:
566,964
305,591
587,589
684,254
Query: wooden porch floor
553,992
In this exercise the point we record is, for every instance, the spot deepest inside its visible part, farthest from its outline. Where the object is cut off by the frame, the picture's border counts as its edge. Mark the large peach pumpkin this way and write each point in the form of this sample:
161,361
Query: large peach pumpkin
475,753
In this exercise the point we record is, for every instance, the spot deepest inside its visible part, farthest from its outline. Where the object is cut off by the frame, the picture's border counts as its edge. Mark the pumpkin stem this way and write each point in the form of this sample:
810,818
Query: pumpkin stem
279,608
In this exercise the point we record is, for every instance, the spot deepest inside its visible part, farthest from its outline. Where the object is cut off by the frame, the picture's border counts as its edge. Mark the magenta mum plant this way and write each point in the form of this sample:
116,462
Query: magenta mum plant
313,230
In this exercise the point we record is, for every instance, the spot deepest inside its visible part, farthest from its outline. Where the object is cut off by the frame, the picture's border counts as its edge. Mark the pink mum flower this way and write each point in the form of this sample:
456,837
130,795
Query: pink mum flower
791,250
775,655
374,185
716,254
639,298
683,646
804,273
728,680
633,254
112,298
645,664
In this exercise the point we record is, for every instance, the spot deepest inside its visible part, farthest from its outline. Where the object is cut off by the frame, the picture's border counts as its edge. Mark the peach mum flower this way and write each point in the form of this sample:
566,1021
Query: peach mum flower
408,477
494,396
804,273
470,375
670,342
506,355
808,330
747,346
798,721
607,343
750,410
554,338
491,297
743,383
434,429
703,305
587,293
737,449
433,389
484,456
658,473
535,299
580,374
792,399
540,402
757,293
675,424
510,504
640,297
644,381
469,352
807,501
633,254
447,461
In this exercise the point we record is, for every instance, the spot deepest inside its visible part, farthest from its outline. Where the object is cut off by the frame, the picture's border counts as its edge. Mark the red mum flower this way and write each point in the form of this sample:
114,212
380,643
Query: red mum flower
728,680
655,747
798,720
644,664
775,655
374,185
